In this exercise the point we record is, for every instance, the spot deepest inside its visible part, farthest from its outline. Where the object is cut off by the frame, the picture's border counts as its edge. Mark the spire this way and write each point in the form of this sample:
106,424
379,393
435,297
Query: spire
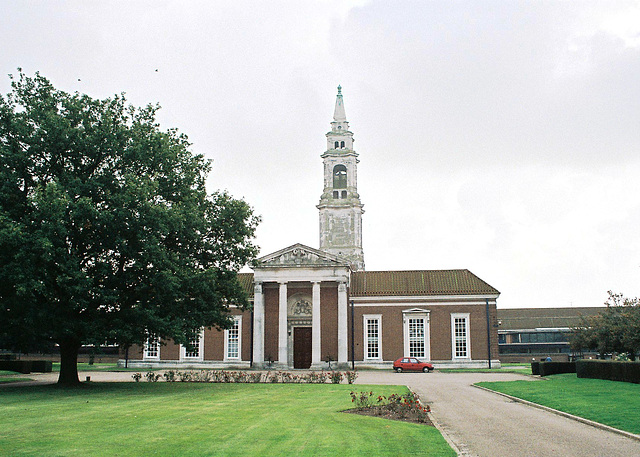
339,114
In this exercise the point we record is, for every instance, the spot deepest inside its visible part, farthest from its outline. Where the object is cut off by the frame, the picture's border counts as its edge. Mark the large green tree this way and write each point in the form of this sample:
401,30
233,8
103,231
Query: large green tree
107,233
614,330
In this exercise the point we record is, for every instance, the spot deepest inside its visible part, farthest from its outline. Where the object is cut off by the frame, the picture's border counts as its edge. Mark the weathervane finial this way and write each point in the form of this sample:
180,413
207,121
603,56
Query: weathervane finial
339,89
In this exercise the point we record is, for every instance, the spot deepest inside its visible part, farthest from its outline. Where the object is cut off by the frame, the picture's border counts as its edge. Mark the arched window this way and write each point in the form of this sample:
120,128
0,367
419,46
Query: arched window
337,145
343,194
339,177
342,145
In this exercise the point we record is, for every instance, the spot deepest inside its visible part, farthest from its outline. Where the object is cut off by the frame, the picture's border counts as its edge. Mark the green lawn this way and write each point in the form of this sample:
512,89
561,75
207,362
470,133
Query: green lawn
94,367
503,369
608,402
6,379
189,419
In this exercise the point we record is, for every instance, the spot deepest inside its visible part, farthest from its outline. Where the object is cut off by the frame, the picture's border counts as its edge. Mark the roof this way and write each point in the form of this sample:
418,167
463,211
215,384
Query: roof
418,283
246,281
537,318
406,283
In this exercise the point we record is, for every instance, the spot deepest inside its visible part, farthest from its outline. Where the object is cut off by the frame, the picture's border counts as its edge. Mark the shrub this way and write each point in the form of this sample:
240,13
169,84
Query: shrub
20,366
549,368
351,376
361,399
535,368
136,376
610,370
169,376
152,377
336,377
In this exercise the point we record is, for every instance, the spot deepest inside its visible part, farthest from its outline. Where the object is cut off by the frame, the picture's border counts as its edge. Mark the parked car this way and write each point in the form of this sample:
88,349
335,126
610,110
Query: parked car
411,364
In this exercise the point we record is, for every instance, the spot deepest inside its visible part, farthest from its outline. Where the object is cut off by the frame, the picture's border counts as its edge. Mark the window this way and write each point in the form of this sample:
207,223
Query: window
196,349
152,347
416,333
339,177
372,336
460,336
337,145
416,337
344,194
342,144
232,348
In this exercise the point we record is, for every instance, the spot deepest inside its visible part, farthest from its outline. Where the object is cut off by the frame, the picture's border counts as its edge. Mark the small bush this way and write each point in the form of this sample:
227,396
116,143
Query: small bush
362,399
351,376
136,377
336,377
152,377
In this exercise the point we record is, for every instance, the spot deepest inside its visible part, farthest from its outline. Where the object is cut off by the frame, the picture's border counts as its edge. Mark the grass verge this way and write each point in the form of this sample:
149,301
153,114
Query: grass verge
521,370
97,367
189,419
7,379
612,403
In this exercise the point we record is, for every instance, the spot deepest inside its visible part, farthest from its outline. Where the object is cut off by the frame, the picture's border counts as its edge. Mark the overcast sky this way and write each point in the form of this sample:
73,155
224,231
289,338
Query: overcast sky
500,137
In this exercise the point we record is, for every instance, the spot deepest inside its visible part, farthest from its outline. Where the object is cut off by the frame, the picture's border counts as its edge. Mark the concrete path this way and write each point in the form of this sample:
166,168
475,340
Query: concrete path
484,424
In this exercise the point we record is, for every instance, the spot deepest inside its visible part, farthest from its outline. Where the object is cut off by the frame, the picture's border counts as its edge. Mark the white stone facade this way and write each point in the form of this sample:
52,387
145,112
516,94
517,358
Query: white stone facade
340,206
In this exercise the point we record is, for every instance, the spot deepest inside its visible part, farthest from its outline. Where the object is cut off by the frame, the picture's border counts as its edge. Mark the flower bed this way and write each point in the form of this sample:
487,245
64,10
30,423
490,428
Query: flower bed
405,407
311,377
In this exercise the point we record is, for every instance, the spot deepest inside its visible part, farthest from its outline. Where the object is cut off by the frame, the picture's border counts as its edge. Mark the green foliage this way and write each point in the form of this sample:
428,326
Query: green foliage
106,229
614,330
608,402
194,419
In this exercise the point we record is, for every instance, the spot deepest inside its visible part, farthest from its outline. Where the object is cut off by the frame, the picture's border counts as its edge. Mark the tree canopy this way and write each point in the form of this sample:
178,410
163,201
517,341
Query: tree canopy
614,330
107,233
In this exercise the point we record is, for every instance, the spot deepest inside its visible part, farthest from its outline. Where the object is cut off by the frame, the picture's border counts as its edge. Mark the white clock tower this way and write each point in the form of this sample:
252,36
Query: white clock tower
340,206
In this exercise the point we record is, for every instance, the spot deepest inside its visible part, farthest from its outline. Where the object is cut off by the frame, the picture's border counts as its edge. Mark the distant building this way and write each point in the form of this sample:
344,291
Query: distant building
315,306
536,333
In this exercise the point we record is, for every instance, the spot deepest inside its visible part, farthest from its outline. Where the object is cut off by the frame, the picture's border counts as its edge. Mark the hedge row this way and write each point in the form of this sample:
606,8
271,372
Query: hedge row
549,368
26,366
609,369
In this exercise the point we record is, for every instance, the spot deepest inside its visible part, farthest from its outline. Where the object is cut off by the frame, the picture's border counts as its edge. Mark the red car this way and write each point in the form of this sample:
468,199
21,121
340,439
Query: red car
411,364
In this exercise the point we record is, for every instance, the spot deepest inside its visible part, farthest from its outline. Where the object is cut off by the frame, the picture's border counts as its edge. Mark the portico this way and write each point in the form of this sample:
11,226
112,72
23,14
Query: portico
311,308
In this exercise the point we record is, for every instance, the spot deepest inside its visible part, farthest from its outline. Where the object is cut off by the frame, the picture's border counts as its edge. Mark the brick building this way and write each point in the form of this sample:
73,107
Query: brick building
312,307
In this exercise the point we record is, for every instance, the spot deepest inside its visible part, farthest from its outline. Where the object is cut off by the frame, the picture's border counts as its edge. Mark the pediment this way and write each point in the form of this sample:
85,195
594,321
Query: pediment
300,255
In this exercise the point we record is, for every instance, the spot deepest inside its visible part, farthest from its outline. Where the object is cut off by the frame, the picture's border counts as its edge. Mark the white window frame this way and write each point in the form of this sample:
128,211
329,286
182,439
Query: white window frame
366,318
455,338
147,353
227,333
200,356
417,313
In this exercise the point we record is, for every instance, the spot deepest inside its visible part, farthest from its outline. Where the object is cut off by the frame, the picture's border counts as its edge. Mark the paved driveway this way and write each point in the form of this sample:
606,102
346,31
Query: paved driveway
483,424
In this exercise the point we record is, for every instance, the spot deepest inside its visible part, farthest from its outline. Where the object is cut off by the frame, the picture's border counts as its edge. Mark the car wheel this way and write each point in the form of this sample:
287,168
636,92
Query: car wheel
399,370
425,370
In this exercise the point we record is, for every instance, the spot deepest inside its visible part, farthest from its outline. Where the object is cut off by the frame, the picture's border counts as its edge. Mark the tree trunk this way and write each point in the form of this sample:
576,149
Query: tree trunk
69,363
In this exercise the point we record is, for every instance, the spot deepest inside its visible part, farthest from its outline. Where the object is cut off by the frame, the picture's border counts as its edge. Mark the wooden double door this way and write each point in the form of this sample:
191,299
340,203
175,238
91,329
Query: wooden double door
301,347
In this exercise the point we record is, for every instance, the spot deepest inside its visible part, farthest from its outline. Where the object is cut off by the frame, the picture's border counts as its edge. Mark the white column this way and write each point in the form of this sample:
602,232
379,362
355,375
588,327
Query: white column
316,356
282,325
342,323
258,325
